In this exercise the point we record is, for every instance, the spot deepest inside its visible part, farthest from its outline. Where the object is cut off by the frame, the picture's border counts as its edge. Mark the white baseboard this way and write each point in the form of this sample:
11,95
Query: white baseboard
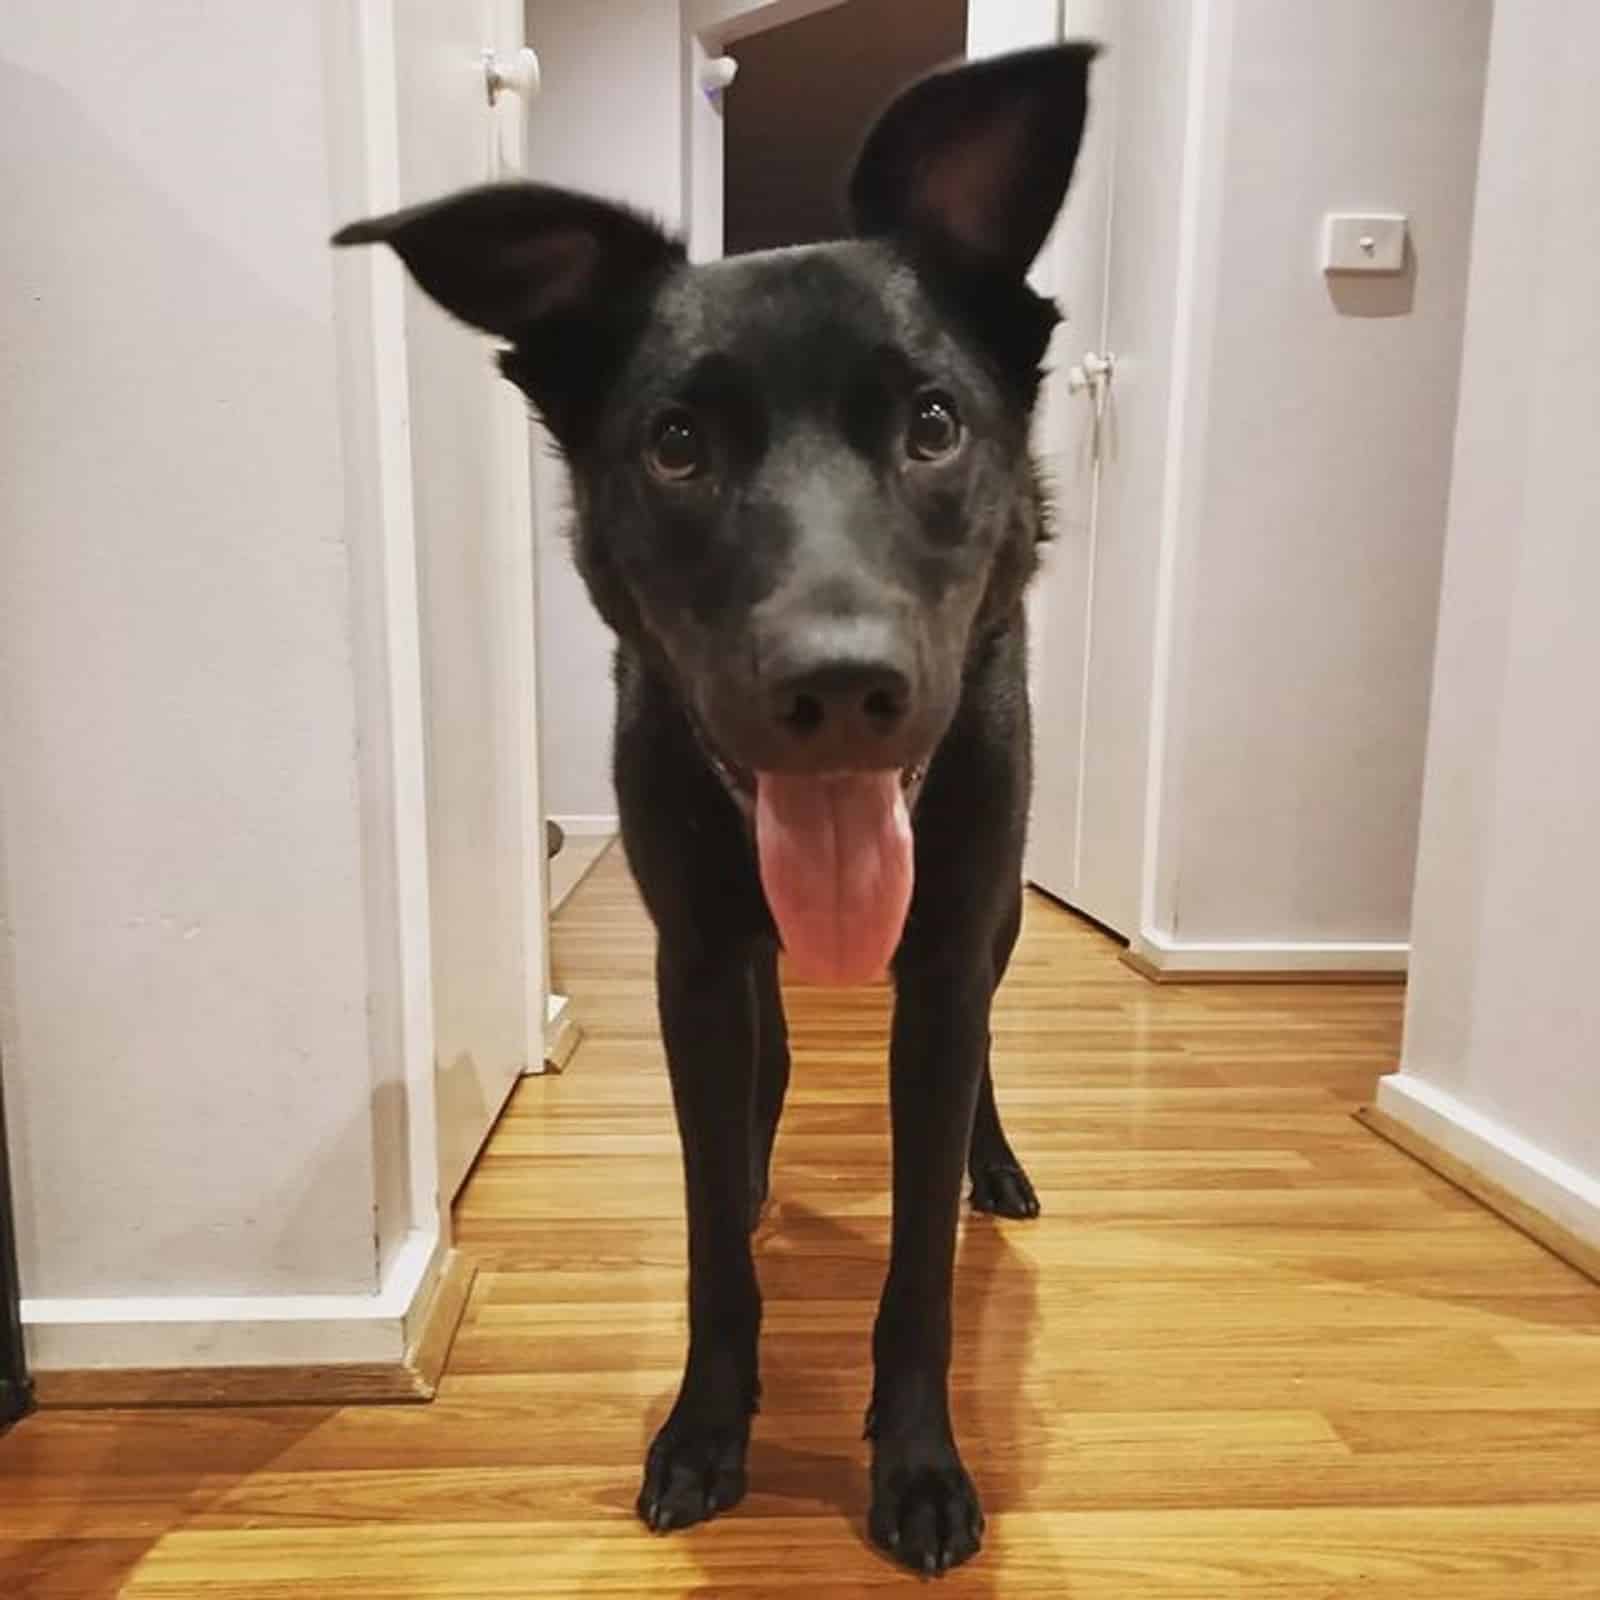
237,1330
1164,956
1545,1184
561,1036
587,825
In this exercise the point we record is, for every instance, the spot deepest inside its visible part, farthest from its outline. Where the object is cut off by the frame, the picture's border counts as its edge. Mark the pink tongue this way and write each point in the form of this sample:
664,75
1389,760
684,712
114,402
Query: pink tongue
836,865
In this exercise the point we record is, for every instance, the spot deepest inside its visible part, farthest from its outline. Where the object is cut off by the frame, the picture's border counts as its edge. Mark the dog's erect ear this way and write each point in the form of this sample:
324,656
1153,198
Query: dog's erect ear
559,276
972,164
510,256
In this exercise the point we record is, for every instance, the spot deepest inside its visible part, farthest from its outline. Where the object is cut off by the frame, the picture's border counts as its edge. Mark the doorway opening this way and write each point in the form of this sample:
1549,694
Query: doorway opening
805,95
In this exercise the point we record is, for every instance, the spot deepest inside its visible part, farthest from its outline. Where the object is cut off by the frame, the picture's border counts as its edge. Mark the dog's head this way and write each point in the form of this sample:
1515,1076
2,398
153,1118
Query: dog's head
802,477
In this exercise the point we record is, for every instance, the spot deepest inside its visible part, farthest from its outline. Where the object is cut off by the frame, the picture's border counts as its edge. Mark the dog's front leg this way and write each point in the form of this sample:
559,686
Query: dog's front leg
696,1464
924,1508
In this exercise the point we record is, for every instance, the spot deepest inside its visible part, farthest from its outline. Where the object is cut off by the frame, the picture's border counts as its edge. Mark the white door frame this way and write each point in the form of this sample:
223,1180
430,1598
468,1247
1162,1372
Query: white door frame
393,713
996,26
550,1036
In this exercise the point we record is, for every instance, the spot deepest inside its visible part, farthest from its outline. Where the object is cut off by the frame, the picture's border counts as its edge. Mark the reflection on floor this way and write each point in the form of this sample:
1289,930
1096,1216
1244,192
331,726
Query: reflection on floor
1250,1349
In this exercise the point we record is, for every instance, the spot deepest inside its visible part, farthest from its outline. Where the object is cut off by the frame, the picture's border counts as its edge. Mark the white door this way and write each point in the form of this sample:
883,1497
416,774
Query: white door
1071,432
476,591
1081,826
1104,442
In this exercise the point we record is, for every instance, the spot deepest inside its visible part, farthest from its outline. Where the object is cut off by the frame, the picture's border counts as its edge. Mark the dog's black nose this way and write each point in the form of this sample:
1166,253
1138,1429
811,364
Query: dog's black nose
841,691
866,698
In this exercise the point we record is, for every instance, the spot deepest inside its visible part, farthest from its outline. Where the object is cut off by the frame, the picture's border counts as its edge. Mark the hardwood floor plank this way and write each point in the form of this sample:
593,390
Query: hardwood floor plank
1249,1350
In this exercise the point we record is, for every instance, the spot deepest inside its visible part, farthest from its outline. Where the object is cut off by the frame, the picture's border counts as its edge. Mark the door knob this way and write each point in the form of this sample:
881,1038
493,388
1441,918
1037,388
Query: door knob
1091,371
717,74
516,74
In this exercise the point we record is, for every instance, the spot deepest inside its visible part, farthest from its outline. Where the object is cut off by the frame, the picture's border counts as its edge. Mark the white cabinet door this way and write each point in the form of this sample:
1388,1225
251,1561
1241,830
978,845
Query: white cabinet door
475,578
1068,437
1104,443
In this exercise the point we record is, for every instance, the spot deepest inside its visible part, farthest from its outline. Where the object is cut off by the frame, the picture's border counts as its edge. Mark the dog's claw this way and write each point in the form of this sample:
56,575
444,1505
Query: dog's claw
1004,1191
928,1518
690,1476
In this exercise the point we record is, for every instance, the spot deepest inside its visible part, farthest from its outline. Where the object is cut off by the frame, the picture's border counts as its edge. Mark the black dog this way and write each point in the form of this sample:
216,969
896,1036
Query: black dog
806,506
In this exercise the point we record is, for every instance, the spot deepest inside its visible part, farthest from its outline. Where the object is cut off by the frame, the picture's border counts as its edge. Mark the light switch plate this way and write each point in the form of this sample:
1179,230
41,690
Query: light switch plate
1374,243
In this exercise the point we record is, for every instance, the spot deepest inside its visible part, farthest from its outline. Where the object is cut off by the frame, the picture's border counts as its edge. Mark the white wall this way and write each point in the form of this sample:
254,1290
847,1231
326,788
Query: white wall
1311,517
195,1000
1502,1042
609,119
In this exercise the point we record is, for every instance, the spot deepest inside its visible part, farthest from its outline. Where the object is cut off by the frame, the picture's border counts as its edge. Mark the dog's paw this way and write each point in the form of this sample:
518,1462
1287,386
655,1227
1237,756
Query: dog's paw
926,1516
691,1474
1004,1190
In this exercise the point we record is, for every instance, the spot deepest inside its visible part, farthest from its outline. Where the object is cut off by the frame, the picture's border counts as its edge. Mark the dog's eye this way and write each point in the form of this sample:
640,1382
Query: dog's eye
935,428
676,451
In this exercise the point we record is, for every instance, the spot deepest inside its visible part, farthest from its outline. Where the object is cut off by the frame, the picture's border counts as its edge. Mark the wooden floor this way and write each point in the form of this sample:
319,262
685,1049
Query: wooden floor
1249,1350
